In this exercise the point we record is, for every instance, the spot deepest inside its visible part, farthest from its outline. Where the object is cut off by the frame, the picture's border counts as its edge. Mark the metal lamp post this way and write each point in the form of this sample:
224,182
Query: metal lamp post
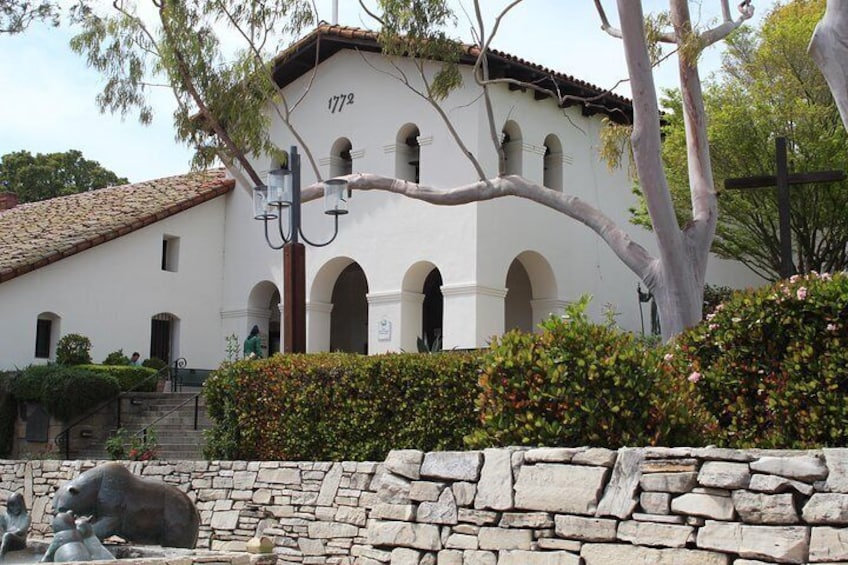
281,196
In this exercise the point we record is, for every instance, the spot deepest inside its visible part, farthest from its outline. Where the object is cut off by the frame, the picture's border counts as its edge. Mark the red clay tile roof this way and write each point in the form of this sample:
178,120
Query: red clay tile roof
326,40
39,233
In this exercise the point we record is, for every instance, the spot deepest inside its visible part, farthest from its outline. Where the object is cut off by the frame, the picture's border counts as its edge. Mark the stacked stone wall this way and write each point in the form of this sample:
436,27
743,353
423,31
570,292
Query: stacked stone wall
510,506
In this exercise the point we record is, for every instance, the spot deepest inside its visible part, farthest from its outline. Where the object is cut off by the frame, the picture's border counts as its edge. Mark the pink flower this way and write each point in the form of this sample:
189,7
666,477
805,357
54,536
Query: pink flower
712,327
802,293
694,377
668,357
831,327
794,278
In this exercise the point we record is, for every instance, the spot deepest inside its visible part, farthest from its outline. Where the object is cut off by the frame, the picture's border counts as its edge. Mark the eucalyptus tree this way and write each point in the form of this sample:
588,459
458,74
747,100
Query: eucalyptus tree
16,15
223,102
768,87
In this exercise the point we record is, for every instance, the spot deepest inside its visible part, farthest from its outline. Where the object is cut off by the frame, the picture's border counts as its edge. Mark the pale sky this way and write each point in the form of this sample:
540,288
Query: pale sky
47,93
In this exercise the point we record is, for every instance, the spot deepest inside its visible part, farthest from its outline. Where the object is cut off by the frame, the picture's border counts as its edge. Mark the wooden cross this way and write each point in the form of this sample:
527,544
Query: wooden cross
783,180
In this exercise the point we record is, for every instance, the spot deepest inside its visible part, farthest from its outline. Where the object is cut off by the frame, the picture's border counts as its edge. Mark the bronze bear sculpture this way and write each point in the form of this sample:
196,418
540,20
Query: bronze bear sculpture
136,509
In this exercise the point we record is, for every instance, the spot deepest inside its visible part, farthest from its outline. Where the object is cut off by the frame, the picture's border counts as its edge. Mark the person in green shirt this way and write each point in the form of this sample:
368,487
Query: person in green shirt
253,344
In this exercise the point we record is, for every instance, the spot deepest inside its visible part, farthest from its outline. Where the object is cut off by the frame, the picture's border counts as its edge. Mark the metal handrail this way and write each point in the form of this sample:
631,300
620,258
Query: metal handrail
65,435
196,399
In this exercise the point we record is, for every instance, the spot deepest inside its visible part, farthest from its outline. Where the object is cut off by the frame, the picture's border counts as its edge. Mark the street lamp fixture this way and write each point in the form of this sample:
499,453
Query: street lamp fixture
281,197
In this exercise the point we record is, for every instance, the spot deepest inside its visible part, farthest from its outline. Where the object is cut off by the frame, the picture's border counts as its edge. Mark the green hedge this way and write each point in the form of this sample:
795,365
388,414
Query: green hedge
340,406
129,378
771,365
65,392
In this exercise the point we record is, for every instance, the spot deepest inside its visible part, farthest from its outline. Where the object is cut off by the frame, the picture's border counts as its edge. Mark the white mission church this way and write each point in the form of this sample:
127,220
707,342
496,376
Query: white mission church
171,267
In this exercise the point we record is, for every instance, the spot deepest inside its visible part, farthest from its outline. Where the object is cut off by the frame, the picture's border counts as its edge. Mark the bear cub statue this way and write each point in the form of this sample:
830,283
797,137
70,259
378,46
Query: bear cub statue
139,510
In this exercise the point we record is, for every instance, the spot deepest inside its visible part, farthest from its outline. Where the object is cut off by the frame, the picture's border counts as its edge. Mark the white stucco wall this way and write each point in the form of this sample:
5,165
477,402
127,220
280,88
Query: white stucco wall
110,292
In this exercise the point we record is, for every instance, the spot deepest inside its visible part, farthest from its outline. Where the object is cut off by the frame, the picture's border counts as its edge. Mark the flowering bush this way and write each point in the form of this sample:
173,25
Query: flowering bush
135,447
771,365
577,383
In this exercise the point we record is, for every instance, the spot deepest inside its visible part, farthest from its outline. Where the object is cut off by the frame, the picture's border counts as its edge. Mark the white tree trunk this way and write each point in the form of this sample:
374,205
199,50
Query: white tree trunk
829,50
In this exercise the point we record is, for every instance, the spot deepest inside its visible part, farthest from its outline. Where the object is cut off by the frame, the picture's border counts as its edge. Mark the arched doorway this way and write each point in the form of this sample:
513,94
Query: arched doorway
349,315
517,304
513,148
432,309
263,310
531,292
164,337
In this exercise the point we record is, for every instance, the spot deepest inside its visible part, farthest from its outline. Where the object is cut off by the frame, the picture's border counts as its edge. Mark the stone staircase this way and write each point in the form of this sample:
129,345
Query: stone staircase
171,414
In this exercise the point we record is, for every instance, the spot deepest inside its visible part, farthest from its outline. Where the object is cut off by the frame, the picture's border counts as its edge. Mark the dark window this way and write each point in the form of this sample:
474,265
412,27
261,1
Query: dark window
43,330
433,307
170,253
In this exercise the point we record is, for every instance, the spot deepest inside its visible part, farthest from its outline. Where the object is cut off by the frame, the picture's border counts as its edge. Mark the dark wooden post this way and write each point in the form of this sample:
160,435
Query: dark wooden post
294,298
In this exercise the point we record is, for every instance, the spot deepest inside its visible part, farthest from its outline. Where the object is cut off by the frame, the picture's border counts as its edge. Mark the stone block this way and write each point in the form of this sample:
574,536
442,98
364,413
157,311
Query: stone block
285,476
569,489
404,556
682,465
500,539
319,530
330,485
518,557
826,508
772,484
836,460
404,512
464,493
550,454
784,544
620,496
404,534
828,544
703,505
559,544
449,557
461,541
224,520
725,475
653,534
425,491
609,554
494,490
452,465
477,517
391,488
405,462
655,502
659,518
596,457
802,468
526,520
761,508
442,511
472,557
308,546
586,529
674,483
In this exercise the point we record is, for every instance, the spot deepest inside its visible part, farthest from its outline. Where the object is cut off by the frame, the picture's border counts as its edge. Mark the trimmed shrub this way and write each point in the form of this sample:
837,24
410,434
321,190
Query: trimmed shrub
116,358
65,392
154,363
73,349
576,383
771,365
129,378
337,406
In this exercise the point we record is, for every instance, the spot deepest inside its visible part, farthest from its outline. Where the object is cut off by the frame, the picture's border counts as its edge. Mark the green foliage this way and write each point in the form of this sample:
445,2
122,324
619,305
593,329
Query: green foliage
575,383
418,30
424,345
134,447
117,358
214,90
768,87
715,295
154,363
47,175
73,349
340,406
8,415
129,378
16,15
65,392
771,365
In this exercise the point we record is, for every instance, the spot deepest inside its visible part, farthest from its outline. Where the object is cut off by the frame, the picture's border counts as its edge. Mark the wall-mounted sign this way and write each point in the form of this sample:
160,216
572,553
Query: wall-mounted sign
384,330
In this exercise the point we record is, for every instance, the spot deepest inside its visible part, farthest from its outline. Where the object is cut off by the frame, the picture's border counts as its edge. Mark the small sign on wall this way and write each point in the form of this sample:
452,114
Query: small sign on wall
384,330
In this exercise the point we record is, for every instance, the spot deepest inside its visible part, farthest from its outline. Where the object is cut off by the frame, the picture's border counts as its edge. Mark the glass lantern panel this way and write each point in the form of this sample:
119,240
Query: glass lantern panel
335,197
280,187
262,210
